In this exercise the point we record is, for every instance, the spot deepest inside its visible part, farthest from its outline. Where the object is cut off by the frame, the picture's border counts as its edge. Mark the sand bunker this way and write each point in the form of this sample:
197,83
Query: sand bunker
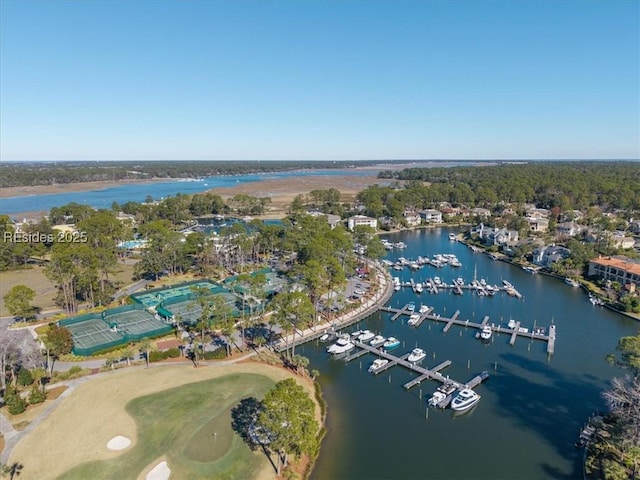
118,443
160,472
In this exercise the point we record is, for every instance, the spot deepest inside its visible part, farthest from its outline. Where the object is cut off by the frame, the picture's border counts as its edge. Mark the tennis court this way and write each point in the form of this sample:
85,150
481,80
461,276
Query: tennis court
157,296
92,334
137,324
189,311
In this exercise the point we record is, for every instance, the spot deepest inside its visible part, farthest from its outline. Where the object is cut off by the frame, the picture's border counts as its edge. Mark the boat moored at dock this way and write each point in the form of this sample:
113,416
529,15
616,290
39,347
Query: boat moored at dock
377,364
464,400
377,340
391,343
416,355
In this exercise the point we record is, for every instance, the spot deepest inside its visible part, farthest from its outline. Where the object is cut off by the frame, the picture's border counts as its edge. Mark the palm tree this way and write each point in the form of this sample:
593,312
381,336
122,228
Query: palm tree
145,347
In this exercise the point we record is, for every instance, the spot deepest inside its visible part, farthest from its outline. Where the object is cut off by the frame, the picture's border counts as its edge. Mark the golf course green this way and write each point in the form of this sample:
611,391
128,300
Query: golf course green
190,427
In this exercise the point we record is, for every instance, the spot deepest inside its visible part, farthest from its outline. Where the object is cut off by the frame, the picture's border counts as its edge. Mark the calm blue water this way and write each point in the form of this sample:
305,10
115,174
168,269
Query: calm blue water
138,192
532,407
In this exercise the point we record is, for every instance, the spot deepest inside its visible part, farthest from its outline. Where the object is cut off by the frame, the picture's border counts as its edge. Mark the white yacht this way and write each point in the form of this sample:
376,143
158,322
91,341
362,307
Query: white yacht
413,319
452,236
416,355
378,364
486,332
417,287
571,282
366,336
464,400
423,309
436,398
342,345
377,340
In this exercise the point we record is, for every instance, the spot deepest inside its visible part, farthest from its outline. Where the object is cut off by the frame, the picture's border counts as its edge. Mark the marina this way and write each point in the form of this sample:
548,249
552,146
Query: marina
533,402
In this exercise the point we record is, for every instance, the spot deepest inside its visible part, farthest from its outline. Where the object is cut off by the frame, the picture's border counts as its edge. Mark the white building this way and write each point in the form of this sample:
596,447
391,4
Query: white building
356,220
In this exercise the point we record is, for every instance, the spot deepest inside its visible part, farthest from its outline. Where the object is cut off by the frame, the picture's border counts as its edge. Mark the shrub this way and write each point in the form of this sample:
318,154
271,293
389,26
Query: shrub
24,377
37,395
156,356
173,353
217,354
15,403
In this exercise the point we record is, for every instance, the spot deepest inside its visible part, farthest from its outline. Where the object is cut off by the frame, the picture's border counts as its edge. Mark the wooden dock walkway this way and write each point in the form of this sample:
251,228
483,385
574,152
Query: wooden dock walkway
514,335
451,321
423,317
424,373
429,374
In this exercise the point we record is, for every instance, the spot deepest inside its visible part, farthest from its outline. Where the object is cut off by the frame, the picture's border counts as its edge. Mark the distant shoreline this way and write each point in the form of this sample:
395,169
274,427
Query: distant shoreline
24,191
281,191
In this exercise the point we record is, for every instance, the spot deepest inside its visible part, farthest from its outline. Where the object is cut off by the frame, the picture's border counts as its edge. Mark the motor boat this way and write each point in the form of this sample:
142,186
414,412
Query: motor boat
486,332
436,398
464,400
512,324
366,336
391,343
325,337
423,309
411,307
413,319
452,236
571,282
343,344
416,355
356,334
378,364
417,287
377,340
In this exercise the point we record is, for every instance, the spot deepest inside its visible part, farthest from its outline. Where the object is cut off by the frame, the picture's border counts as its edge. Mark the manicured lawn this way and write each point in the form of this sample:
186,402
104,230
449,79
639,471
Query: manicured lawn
190,426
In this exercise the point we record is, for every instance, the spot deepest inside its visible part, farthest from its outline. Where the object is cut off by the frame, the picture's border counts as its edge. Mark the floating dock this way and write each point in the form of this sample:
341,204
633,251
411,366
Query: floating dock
514,333
425,373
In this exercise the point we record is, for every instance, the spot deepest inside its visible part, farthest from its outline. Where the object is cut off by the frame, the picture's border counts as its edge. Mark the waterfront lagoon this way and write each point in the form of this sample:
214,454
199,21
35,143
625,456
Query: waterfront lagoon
532,406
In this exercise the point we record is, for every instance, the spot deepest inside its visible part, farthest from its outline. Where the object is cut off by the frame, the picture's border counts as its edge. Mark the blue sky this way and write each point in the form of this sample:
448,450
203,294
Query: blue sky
336,80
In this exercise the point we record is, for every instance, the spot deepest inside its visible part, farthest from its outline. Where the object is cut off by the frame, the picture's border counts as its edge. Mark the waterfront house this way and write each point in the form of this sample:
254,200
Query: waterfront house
353,222
430,216
619,268
412,218
549,254
496,236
